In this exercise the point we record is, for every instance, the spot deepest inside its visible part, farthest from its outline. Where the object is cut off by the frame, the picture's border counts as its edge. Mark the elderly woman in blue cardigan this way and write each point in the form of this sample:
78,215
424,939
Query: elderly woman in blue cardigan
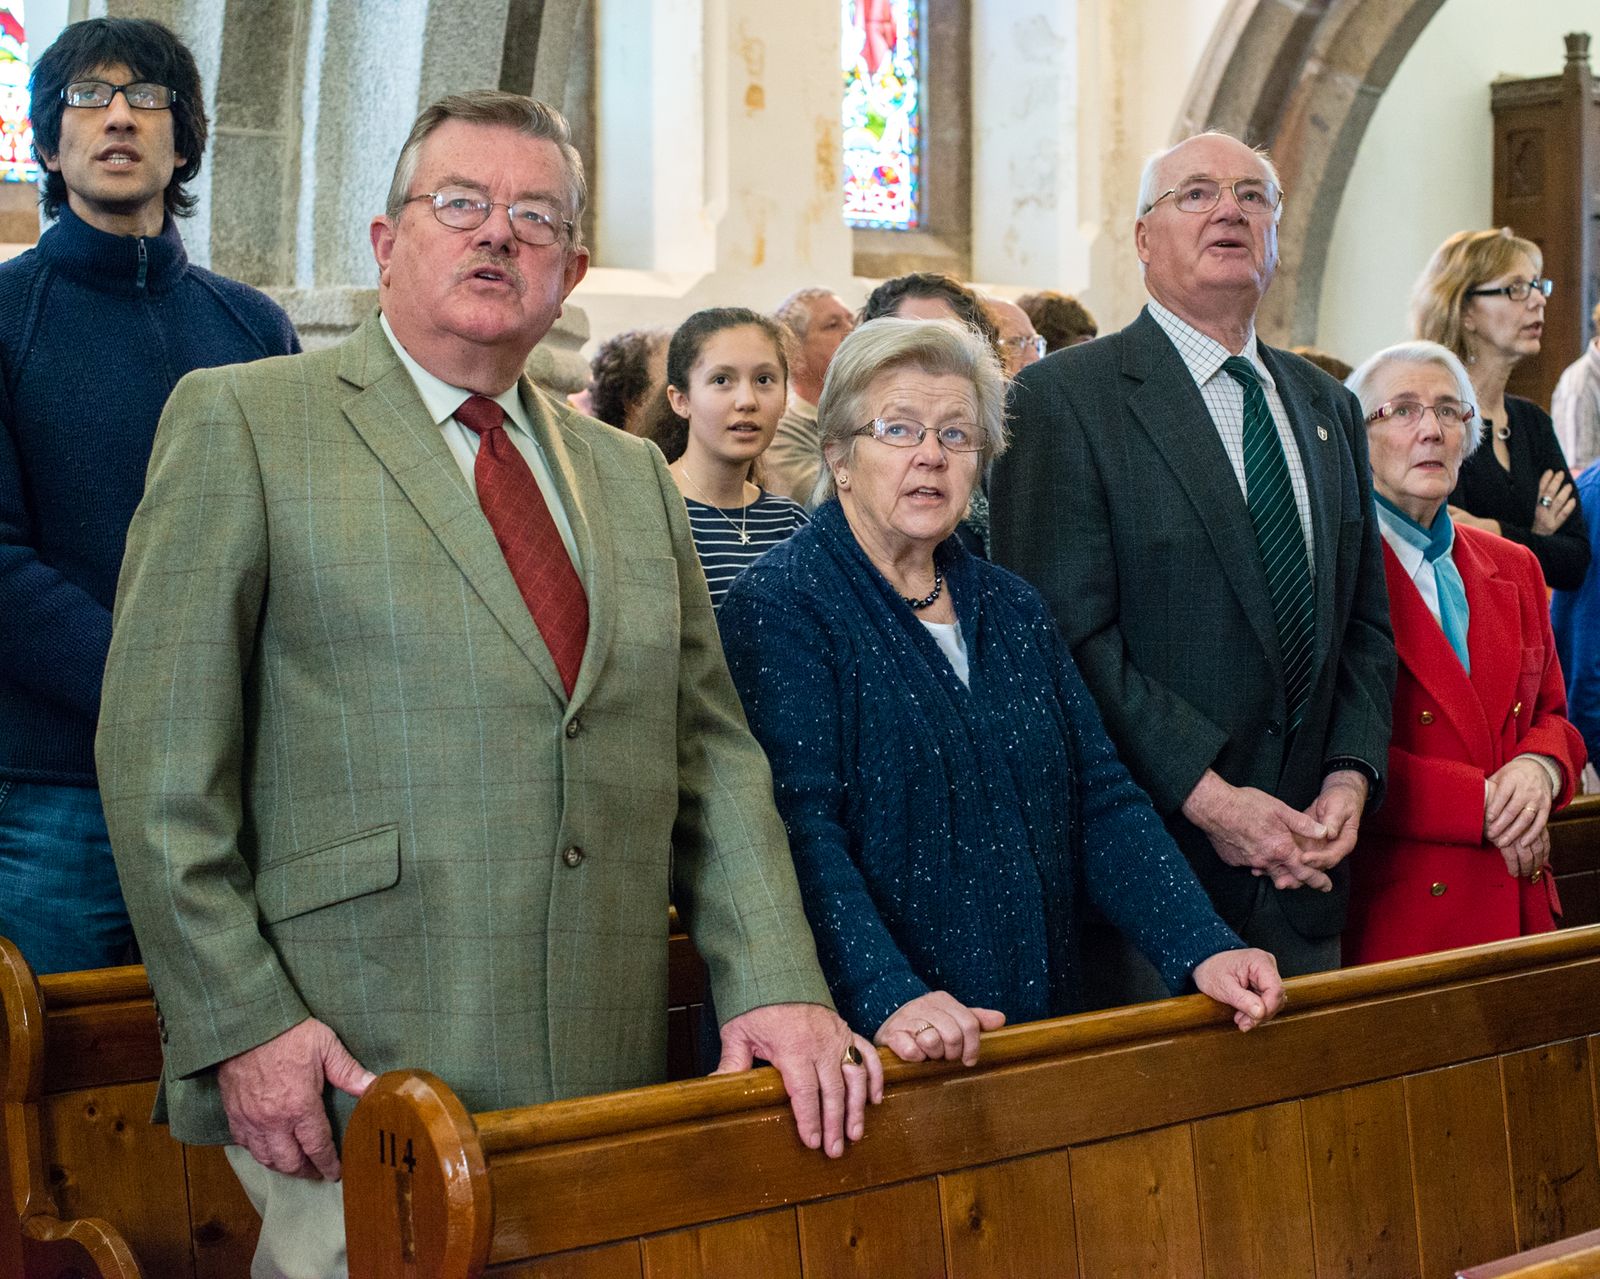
949,791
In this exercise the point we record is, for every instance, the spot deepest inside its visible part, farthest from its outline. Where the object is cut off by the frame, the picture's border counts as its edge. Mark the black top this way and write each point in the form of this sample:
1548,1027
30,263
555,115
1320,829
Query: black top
1486,489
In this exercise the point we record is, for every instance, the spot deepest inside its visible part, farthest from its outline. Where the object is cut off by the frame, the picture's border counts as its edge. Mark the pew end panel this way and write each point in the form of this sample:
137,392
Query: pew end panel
1408,1118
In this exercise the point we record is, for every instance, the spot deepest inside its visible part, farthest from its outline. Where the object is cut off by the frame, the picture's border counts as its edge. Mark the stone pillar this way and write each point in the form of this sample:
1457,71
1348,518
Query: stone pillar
310,102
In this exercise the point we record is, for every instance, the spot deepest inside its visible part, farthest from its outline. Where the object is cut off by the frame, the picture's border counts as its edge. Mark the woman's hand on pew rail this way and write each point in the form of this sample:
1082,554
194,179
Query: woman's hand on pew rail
1246,981
937,1026
808,1044
273,1096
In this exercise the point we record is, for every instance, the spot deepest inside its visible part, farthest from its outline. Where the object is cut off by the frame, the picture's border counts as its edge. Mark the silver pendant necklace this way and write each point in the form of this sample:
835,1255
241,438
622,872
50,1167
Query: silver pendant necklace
744,511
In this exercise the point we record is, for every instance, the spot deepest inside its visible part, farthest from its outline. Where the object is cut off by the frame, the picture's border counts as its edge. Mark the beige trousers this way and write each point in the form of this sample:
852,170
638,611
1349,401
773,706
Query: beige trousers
302,1222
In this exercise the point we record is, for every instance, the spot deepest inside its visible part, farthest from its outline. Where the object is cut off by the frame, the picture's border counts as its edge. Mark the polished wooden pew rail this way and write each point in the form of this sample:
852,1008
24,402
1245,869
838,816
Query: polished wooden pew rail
1406,1118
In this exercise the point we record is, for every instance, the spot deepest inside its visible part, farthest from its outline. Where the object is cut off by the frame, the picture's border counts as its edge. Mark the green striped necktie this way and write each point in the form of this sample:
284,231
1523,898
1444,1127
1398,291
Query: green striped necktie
1282,543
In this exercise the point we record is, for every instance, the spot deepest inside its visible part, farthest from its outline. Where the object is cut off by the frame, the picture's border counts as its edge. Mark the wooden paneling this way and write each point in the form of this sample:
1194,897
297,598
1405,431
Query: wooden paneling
1363,1209
615,1261
108,1160
223,1225
1458,1134
1555,1164
881,1234
1575,858
767,1244
1253,1191
1011,1220
1137,1214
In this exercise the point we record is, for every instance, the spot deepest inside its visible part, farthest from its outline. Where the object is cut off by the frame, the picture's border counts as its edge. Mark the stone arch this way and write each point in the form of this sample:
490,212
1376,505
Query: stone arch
1303,78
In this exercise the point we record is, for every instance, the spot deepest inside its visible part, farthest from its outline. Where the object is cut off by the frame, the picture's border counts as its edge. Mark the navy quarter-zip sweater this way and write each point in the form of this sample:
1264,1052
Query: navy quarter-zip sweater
95,331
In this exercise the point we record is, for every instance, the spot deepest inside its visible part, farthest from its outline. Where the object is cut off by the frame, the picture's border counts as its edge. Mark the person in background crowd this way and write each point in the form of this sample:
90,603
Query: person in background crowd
726,382
628,372
97,323
817,320
1197,509
1575,407
1332,365
1060,319
1481,296
1575,616
1482,752
1019,345
928,295
437,686
947,785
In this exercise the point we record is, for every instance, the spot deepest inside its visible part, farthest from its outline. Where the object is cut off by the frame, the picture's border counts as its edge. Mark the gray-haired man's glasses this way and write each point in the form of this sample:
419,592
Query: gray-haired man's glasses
532,221
1201,195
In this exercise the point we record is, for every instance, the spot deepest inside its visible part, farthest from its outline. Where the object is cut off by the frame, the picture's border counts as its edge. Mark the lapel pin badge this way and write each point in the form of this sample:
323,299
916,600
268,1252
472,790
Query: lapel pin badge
1322,434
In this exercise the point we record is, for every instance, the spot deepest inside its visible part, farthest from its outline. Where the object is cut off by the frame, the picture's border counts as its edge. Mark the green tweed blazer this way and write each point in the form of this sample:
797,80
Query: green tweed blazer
342,778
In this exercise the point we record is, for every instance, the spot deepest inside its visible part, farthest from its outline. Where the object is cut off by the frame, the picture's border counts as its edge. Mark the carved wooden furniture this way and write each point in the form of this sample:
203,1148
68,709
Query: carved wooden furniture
1411,1117
1547,189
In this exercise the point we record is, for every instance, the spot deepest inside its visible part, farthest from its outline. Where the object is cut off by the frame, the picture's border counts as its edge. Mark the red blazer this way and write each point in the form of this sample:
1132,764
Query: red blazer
1422,876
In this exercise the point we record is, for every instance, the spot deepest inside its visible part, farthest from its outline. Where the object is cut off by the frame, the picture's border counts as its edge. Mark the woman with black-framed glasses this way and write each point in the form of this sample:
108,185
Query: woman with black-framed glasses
1482,297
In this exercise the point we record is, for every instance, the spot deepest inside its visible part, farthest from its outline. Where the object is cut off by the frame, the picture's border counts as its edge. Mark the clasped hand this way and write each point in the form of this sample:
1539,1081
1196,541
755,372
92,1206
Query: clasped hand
1249,827
1516,813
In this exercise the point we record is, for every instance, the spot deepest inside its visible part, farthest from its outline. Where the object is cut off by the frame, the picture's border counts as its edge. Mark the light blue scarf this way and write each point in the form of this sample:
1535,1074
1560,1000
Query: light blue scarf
1435,545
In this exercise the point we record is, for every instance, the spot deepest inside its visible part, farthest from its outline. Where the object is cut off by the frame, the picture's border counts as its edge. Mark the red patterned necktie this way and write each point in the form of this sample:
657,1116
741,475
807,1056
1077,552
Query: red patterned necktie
528,537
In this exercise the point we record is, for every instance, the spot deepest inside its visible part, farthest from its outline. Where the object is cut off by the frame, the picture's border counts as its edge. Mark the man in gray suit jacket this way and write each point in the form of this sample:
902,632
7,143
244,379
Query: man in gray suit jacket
414,689
1197,508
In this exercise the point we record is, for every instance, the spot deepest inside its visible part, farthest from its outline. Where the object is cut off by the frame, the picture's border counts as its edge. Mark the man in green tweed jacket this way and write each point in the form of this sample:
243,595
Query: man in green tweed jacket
360,822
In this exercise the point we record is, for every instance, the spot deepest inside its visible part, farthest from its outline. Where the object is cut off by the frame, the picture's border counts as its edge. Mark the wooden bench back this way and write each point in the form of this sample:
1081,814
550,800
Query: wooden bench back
1575,857
1413,1117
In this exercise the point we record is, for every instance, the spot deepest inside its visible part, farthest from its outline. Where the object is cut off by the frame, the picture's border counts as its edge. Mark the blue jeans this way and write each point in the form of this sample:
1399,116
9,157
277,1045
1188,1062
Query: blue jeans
60,900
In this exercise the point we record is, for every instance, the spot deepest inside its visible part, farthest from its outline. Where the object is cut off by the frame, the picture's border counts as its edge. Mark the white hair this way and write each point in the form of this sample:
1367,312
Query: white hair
1147,176
1361,382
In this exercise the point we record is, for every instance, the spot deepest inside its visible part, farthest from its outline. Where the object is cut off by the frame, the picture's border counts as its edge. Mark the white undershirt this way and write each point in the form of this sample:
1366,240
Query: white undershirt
947,635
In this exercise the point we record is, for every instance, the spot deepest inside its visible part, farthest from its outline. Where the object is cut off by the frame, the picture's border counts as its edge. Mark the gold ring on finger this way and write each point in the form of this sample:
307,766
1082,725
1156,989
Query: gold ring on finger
852,1056
1529,808
927,1025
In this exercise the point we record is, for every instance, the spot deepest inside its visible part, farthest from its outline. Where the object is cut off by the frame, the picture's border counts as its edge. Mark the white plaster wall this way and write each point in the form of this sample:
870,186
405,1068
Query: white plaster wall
1426,163
719,149
735,143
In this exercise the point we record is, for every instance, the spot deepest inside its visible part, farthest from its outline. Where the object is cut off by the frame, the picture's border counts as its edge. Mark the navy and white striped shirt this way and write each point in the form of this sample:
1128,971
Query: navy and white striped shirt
768,520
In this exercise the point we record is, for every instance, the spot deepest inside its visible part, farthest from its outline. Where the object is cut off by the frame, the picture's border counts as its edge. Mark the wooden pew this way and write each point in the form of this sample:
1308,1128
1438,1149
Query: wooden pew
1408,1118
1575,856
1576,1258
99,1190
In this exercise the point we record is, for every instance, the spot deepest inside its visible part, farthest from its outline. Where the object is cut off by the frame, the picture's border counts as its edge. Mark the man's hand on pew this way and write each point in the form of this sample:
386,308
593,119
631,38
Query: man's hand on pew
808,1044
273,1096
1246,981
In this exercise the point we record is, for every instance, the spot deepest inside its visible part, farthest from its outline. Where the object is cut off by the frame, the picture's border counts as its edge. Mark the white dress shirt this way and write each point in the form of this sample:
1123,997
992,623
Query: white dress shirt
442,400
1203,356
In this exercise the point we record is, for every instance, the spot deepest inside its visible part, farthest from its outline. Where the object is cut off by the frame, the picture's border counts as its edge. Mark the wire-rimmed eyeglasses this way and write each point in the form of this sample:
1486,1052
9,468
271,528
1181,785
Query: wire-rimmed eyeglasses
1201,195
955,437
532,221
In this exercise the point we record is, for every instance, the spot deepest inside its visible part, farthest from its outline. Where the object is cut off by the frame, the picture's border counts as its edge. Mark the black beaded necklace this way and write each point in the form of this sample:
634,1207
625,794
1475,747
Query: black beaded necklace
927,600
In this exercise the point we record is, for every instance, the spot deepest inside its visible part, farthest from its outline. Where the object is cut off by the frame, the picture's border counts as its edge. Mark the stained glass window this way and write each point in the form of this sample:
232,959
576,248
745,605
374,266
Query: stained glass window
882,114
16,134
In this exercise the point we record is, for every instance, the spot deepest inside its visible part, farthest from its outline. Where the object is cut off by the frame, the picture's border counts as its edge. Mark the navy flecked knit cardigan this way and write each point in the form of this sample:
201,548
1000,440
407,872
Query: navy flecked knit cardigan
942,834
95,330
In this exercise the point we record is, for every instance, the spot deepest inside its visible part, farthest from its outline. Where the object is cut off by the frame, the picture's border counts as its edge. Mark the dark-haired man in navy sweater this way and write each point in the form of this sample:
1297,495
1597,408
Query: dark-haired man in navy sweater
97,324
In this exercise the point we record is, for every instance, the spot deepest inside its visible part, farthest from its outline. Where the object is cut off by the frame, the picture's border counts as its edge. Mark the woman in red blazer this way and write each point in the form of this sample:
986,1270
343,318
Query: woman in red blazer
1482,752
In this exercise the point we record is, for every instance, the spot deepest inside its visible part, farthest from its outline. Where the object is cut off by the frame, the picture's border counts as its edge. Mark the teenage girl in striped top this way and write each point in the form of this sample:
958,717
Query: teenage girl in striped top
727,379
